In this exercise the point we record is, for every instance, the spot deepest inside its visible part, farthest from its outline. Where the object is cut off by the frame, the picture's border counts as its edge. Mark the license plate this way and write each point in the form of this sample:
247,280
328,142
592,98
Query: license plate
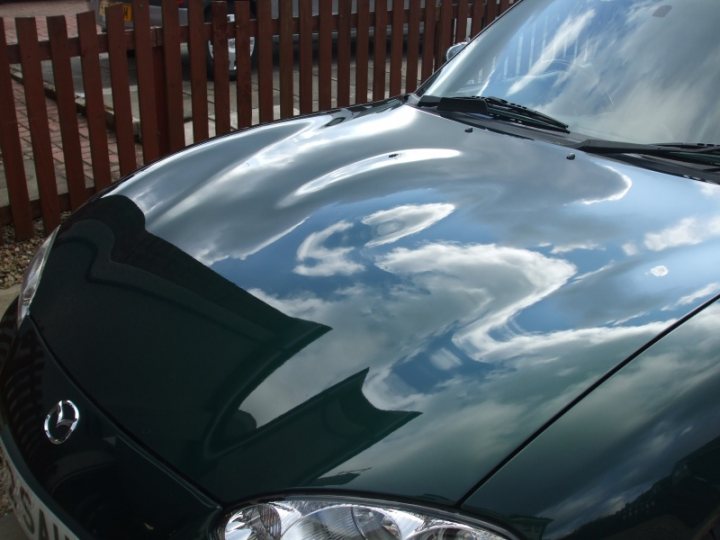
35,518
127,9
127,12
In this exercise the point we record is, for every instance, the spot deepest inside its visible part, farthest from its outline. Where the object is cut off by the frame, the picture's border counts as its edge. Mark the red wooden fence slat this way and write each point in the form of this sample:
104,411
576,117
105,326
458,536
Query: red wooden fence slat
67,111
221,68
396,51
38,120
197,45
306,56
491,11
94,101
173,76
12,150
119,81
504,4
325,54
444,39
265,67
343,52
145,64
380,44
478,14
362,46
162,113
242,59
286,60
428,49
463,14
413,46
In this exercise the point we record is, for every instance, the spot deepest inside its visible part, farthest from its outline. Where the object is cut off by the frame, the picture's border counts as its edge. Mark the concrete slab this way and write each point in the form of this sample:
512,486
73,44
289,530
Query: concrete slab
10,529
6,298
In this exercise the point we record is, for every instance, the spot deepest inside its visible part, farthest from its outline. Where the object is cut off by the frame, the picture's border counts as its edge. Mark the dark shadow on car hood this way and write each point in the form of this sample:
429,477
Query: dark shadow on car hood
386,302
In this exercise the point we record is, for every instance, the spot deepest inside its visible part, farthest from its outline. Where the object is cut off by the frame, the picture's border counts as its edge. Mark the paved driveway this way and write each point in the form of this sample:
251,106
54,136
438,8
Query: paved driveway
9,528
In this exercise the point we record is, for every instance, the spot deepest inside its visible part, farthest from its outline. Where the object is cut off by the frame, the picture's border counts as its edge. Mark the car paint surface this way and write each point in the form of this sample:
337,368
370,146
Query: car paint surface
639,457
403,299
101,483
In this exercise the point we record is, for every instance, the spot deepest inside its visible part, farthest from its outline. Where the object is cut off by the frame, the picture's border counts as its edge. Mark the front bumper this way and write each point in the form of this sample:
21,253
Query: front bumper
99,483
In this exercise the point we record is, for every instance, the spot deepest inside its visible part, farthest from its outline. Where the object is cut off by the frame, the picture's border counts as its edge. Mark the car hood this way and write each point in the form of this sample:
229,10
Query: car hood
379,300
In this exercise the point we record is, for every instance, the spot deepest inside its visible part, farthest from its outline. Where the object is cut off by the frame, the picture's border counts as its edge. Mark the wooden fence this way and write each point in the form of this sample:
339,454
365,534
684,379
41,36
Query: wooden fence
303,63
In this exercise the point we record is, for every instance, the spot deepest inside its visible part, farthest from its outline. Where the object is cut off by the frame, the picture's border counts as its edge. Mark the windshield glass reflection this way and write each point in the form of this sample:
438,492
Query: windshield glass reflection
626,70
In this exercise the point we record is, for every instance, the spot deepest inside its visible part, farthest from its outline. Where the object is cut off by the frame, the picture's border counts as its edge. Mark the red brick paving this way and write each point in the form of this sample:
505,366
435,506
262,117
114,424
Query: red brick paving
41,9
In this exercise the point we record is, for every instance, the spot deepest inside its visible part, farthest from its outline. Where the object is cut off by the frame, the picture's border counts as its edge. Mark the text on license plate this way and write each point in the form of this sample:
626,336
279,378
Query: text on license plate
127,9
35,518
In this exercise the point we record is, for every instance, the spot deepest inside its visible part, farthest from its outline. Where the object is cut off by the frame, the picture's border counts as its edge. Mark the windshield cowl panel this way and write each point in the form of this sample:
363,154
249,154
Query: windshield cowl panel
616,70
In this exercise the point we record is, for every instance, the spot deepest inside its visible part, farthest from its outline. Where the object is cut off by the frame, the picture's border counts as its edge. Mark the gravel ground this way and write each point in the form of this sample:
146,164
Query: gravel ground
15,256
5,506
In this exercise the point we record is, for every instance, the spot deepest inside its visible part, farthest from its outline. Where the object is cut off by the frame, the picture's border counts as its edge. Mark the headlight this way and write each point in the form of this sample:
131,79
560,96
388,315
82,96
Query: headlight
323,519
31,280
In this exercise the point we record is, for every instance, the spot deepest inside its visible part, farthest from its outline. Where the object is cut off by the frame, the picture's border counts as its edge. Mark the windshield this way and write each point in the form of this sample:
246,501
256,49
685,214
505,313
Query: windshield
645,71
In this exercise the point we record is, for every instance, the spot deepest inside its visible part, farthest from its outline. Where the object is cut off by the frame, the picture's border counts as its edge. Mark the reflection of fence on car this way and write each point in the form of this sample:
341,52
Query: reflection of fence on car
372,52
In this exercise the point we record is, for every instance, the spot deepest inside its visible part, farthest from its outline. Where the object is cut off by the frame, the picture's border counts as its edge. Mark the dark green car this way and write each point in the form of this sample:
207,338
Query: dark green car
486,310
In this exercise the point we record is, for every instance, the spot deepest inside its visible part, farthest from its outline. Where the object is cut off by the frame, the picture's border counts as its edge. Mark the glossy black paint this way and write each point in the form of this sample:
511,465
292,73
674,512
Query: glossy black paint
454,289
640,457
100,482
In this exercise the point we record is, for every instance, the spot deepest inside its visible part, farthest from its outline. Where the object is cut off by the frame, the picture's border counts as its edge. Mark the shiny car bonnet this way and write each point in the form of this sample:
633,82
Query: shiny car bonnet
442,291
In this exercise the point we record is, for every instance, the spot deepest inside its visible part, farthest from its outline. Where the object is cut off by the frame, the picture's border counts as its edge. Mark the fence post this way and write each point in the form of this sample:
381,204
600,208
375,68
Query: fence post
146,81
379,68
12,150
242,55
38,119
117,53
221,61
67,110
197,44
94,103
173,77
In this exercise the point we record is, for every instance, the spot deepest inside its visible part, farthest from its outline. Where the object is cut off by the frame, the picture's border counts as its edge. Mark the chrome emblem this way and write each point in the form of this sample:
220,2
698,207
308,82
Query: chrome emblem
61,421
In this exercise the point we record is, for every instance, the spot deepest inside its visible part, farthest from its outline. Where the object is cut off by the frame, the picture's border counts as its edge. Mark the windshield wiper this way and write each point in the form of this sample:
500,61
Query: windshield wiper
493,106
703,154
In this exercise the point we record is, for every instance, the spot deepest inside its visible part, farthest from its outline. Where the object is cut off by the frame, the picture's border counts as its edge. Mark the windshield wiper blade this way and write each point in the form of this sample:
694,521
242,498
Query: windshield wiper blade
704,154
493,106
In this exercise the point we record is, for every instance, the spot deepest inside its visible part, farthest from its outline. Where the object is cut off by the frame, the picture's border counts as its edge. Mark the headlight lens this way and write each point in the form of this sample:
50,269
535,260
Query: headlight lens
323,519
32,277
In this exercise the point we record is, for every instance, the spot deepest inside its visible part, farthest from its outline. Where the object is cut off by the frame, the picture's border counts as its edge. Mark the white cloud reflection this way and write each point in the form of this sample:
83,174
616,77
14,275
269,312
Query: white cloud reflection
391,225
326,261
688,231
